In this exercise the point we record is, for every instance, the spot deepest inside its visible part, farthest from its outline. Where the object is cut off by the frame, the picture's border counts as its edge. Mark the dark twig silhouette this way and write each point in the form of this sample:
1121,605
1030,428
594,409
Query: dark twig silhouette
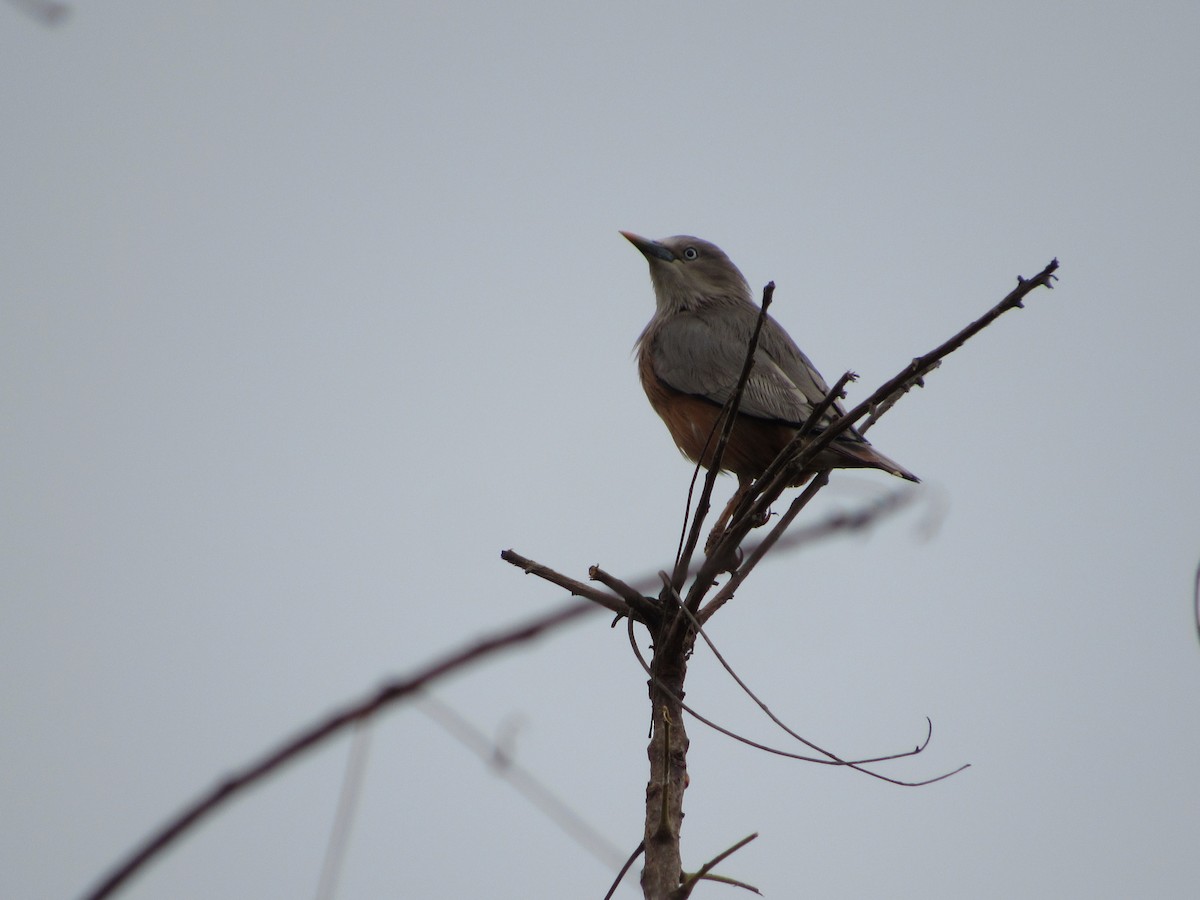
726,420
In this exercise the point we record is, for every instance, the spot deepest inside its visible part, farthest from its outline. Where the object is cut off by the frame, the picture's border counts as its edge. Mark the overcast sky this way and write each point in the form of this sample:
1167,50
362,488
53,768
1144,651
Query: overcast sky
307,311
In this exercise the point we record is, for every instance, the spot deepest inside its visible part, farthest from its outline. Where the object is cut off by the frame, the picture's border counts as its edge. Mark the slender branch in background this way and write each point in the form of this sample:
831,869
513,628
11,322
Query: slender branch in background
343,819
46,12
527,784
315,734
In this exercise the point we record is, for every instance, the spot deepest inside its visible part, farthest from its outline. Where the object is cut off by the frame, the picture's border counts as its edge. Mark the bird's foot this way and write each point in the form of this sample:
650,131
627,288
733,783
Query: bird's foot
727,560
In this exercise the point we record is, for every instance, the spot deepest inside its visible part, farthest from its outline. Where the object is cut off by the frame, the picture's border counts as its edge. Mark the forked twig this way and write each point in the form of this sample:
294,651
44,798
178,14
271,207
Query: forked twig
685,890
577,588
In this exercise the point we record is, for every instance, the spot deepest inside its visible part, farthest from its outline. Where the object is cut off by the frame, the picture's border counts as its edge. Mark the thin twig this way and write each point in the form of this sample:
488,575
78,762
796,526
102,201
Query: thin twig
526,783
315,734
831,760
732,882
729,418
922,365
854,520
743,571
836,393
878,412
685,889
741,520
879,402
774,718
577,588
339,836
641,847
646,608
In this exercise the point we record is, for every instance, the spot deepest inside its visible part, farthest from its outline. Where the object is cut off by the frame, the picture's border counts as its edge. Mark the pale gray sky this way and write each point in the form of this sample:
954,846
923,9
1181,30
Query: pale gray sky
306,312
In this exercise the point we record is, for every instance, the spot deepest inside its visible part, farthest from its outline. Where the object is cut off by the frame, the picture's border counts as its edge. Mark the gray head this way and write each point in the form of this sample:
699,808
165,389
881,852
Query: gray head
688,273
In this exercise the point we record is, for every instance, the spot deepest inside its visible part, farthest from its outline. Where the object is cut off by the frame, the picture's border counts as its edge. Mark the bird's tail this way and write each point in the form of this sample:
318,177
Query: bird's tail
858,454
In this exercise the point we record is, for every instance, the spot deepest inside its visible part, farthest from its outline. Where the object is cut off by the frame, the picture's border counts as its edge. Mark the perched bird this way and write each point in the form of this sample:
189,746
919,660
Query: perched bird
691,354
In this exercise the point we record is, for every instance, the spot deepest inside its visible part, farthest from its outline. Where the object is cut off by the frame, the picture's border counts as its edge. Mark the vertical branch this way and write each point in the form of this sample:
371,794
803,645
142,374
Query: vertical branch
668,778
727,420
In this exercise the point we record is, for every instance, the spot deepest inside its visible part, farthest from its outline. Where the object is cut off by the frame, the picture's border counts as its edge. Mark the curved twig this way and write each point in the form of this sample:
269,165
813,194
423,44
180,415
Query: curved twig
638,851
831,760
774,718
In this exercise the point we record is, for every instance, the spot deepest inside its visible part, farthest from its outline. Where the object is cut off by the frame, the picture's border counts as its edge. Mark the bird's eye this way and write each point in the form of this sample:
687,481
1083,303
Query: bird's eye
690,253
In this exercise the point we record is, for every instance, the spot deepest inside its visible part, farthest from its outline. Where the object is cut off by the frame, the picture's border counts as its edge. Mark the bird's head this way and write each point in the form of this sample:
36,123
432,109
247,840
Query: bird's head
688,273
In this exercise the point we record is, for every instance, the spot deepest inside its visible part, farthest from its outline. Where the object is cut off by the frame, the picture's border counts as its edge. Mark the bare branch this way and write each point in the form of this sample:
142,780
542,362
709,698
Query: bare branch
800,453
343,819
774,718
830,760
647,610
923,365
854,520
641,847
743,571
527,784
728,418
685,889
878,411
836,393
577,588
315,734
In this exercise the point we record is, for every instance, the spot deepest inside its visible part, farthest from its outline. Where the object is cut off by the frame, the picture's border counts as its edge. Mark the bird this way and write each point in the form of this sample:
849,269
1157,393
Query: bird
691,354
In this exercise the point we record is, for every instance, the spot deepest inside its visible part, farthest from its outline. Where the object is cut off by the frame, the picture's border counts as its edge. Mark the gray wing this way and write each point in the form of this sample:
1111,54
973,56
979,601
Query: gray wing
703,355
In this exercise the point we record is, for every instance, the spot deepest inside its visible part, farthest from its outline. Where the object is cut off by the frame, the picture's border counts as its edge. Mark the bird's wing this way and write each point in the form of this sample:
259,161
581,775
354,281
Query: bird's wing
702,354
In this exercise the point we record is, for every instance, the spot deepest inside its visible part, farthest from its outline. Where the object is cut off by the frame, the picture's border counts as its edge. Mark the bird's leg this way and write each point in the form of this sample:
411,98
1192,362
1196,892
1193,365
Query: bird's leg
719,529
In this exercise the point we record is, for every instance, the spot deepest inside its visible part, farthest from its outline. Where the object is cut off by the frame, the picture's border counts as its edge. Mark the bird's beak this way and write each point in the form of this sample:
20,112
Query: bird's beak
652,250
